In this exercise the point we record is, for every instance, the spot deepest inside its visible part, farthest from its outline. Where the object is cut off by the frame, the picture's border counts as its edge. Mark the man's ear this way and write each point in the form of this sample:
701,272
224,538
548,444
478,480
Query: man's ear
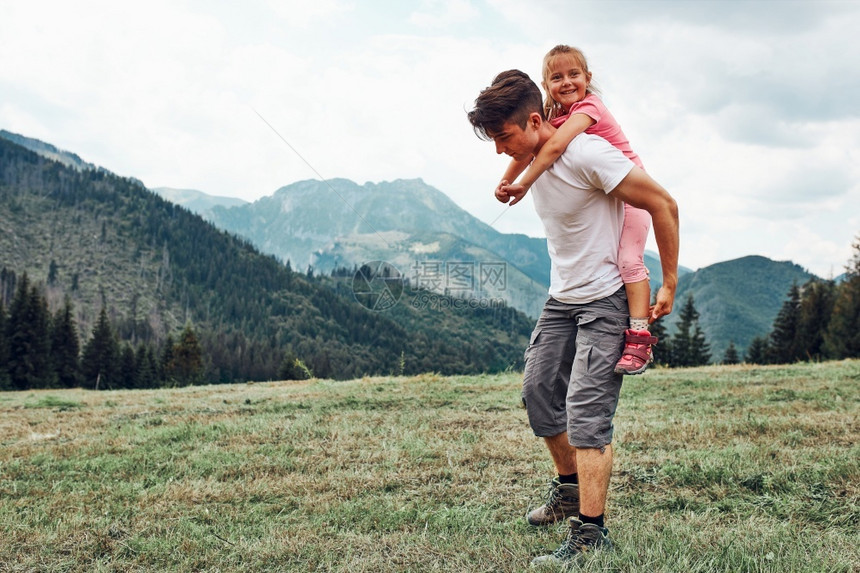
535,120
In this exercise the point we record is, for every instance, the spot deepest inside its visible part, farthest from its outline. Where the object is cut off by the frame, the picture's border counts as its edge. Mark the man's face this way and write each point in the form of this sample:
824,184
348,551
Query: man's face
515,141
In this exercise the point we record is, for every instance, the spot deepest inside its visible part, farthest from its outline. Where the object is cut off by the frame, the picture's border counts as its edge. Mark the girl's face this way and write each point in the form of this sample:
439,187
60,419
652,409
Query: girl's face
566,80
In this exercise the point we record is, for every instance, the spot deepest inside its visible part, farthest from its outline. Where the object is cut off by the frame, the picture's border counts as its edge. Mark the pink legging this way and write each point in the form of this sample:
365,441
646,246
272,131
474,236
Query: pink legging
631,249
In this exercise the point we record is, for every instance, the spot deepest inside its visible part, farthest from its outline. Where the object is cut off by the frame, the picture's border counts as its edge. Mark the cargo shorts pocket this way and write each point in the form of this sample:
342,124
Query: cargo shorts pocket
532,342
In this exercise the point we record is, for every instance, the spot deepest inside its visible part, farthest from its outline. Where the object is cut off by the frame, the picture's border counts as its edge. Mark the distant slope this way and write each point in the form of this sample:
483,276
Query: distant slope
737,300
156,265
303,218
47,150
655,270
196,201
337,223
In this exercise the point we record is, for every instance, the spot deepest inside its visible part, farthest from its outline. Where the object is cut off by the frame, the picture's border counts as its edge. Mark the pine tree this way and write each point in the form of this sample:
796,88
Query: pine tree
784,344
164,374
816,308
689,347
100,361
127,367
700,350
842,338
731,354
757,352
66,348
186,365
662,352
8,285
52,273
146,367
29,339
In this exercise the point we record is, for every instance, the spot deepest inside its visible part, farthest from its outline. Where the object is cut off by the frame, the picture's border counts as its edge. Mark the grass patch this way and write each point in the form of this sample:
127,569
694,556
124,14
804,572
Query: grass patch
717,469
54,402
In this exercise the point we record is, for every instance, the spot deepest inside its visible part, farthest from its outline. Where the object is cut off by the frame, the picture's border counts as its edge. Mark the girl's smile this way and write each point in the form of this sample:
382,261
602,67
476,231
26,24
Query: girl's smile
566,82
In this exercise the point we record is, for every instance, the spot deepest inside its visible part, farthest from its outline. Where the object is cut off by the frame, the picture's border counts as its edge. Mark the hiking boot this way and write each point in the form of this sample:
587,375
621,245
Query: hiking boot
563,502
637,352
581,538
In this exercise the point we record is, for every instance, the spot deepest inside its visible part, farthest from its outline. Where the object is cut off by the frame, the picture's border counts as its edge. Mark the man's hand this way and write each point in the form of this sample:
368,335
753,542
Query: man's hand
662,305
515,191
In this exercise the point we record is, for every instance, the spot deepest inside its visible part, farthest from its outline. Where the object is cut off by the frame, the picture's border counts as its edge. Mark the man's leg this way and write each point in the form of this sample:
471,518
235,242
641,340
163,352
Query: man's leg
592,399
563,499
595,467
548,362
563,454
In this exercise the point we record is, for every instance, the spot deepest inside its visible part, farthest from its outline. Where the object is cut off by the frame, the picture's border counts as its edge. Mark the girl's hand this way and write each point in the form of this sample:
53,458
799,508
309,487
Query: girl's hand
516,192
500,194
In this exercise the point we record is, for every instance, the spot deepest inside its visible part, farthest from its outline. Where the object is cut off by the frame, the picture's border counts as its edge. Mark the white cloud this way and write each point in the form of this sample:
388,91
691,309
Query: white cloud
302,14
746,112
443,13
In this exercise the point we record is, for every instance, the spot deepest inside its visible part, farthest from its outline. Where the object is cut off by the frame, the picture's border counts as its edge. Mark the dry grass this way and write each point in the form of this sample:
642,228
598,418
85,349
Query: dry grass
717,469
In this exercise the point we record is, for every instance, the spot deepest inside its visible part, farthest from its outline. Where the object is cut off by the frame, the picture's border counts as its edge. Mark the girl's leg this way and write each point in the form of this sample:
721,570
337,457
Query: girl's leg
634,273
631,261
639,303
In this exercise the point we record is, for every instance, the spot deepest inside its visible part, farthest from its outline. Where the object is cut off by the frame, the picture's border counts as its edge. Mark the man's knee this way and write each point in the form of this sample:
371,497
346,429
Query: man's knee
546,418
590,433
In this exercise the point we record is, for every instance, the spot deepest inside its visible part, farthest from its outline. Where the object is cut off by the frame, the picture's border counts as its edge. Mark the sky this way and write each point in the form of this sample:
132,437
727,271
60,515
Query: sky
748,113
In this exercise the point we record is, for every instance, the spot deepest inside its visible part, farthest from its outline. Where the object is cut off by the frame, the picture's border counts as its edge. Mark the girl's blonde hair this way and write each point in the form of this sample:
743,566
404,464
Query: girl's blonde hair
551,107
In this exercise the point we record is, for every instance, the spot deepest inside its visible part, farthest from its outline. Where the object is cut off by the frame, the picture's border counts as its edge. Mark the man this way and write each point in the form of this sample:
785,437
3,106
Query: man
570,389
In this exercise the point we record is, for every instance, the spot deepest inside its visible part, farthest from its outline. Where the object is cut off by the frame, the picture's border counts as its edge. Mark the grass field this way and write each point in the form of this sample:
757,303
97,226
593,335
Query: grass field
717,469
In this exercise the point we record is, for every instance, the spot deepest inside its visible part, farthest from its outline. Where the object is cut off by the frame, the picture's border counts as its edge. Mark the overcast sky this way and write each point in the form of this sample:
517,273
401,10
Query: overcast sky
747,112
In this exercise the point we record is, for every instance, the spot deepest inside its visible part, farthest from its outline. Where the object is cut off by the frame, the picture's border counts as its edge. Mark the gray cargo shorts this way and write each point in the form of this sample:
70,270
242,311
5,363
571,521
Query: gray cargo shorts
569,383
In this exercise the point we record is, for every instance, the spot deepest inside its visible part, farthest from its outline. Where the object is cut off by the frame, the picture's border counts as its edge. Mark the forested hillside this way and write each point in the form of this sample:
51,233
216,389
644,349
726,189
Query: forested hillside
107,242
737,300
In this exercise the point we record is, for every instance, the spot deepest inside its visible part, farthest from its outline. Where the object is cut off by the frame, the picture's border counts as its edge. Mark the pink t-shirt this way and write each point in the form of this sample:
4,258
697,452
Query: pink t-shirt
604,125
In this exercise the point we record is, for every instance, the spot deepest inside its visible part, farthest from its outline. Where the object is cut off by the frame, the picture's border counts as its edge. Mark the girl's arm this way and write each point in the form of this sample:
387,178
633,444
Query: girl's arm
552,150
514,169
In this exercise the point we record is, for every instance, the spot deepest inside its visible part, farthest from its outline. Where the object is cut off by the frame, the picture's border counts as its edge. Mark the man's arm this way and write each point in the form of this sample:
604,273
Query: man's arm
639,190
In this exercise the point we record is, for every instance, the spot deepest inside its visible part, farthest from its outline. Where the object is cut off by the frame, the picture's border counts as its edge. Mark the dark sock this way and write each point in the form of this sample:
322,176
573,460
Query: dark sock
572,478
598,521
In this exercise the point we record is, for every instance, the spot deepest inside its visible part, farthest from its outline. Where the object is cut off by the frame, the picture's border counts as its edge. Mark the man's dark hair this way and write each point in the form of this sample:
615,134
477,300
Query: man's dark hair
512,96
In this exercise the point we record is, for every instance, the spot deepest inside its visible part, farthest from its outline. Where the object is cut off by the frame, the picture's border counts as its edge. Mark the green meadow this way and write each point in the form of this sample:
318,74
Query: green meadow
720,468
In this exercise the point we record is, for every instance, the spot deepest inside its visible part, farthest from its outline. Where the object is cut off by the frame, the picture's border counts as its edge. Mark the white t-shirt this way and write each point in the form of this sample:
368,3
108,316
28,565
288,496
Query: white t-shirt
582,222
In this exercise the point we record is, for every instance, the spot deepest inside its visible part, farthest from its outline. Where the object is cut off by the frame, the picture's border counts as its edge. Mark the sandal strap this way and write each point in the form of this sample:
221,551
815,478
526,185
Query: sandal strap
637,351
639,339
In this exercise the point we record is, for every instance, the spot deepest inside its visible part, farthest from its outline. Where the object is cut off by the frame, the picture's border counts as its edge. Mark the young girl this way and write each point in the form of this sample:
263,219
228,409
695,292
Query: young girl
572,107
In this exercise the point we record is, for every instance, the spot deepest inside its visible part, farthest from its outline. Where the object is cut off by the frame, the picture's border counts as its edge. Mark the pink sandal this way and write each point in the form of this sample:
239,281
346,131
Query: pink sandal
637,352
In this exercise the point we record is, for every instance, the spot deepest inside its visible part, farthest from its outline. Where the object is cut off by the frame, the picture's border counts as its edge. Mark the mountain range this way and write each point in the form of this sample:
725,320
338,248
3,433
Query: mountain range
337,225
326,224
107,242
414,226
411,225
